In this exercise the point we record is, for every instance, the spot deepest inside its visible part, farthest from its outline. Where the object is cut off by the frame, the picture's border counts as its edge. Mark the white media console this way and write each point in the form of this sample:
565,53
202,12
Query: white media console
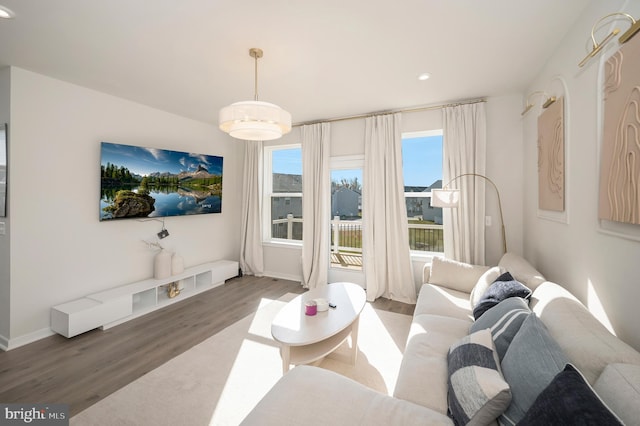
114,306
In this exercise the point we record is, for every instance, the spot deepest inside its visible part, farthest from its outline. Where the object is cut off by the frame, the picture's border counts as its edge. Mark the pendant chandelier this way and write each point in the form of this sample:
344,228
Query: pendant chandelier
254,120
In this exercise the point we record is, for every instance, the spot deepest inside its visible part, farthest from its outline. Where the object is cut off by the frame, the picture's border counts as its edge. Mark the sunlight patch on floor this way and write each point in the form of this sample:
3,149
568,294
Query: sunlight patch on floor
256,369
378,345
379,354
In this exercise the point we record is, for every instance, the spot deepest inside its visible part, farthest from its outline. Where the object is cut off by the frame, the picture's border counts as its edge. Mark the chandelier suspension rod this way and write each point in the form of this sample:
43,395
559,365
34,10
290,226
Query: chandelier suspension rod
255,73
255,53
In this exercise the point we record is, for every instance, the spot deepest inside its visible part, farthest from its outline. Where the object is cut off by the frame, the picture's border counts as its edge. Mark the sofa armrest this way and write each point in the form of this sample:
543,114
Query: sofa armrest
426,272
313,396
521,270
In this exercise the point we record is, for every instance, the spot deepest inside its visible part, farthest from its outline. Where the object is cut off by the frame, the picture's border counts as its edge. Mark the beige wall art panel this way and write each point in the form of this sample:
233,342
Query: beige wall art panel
620,153
551,157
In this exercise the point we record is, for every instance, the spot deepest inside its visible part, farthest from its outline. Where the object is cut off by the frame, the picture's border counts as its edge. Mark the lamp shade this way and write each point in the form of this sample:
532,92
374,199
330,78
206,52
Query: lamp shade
446,198
254,120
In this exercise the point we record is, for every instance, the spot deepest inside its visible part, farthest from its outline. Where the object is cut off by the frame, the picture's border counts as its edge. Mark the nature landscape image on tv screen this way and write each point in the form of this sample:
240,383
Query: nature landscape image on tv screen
137,182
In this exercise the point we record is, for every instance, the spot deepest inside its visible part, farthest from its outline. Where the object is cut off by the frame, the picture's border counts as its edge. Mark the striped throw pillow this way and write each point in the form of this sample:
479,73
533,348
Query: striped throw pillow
478,393
504,320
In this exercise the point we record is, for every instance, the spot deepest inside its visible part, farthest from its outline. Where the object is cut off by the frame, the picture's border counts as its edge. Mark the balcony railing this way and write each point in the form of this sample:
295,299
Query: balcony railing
289,228
346,235
426,237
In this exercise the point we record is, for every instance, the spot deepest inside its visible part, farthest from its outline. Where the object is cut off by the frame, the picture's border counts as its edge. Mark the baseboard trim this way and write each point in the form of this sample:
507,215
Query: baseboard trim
8,344
4,343
282,276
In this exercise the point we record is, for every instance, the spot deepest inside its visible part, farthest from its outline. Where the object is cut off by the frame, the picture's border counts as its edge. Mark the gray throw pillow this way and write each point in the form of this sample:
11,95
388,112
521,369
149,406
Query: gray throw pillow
477,392
504,320
530,364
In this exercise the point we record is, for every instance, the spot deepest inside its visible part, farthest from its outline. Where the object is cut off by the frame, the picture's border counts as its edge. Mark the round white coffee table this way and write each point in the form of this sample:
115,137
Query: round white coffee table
304,338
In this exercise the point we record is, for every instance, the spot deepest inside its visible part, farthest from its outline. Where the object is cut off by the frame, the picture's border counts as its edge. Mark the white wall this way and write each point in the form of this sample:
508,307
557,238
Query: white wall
5,255
59,249
602,270
504,149
504,154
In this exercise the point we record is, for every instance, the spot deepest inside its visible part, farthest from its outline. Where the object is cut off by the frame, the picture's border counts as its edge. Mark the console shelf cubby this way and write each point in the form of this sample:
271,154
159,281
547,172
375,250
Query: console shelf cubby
111,307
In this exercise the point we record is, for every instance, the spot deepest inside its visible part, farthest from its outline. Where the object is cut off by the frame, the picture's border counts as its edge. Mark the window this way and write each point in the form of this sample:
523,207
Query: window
283,193
422,171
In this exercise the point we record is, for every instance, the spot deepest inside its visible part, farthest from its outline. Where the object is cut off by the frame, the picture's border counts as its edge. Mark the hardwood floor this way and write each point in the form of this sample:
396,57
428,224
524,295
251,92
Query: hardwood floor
83,370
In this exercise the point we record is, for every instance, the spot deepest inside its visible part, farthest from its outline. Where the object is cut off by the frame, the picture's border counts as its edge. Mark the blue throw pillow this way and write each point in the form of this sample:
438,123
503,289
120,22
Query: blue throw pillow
567,401
503,287
530,364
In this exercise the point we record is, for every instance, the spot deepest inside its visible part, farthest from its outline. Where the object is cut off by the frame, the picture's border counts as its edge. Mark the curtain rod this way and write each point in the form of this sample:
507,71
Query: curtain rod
371,114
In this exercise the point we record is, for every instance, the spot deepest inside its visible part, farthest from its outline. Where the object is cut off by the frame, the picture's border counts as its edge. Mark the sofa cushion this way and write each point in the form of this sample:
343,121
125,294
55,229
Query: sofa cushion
455,275
587,343
503,287
483,284
478,393
619,388
436,300
530,364
311,395
422,378
504,320
569,400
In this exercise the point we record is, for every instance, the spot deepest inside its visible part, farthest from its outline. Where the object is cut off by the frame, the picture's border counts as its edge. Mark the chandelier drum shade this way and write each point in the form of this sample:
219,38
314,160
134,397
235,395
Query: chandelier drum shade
254,120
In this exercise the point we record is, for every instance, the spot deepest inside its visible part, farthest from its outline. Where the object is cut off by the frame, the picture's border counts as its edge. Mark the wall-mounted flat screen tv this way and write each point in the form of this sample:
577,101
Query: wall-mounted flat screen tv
137,182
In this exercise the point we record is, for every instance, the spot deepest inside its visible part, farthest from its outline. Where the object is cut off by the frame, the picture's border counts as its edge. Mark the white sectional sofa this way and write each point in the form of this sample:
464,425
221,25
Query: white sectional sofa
443,316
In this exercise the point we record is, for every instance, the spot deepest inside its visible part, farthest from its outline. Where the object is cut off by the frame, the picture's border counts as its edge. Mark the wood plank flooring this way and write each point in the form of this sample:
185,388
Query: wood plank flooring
85,369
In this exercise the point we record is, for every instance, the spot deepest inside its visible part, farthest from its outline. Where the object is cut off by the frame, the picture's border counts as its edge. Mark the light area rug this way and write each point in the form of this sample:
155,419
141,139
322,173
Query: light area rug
220,380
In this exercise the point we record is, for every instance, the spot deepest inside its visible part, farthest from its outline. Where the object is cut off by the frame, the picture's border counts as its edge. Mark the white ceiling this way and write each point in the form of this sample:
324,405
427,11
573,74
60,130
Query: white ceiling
322,59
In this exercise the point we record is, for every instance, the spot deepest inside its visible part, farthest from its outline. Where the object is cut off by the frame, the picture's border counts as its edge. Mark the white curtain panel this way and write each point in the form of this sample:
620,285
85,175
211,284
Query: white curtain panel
251,256
387,258
464,151
316,210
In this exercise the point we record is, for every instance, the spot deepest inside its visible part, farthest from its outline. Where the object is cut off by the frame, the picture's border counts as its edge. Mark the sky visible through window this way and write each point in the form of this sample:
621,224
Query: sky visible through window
421,157
287,161
422,160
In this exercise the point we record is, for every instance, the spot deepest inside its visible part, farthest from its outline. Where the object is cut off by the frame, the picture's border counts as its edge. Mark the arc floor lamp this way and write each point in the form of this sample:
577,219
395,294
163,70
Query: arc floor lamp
450,198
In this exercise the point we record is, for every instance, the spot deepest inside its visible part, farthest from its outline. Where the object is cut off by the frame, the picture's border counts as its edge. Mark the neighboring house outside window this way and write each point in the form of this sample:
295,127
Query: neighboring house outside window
345,203
422,170
283,193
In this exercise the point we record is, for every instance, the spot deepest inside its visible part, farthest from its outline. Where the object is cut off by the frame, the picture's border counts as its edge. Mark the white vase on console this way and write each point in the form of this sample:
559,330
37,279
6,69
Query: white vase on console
177,264
162,264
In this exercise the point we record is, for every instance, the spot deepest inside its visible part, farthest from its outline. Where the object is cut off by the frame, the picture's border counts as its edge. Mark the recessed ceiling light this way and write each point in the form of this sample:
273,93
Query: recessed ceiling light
424,76
6,13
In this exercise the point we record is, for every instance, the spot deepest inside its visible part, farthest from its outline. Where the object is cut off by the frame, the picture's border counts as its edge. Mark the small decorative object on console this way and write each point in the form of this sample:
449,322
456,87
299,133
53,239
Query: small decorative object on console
311,308
173,290
323,305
